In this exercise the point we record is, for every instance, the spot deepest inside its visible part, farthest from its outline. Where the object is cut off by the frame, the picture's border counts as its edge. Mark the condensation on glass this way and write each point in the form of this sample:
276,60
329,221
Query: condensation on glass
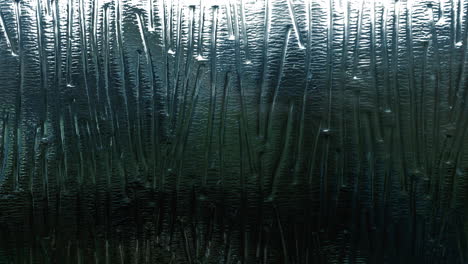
235,131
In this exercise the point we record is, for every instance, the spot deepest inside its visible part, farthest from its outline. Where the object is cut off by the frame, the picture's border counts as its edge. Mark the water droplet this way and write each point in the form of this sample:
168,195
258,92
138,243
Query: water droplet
45,140
326,131
201,58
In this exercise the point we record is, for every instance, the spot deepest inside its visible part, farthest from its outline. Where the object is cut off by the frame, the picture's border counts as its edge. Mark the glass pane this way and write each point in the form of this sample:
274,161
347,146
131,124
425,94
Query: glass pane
234,131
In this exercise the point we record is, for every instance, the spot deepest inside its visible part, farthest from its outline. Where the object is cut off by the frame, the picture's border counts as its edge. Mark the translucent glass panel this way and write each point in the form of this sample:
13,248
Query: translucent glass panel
235,131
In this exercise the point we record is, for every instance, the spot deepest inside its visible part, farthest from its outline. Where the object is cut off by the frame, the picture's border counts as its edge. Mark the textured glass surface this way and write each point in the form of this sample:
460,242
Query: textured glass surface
235,131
